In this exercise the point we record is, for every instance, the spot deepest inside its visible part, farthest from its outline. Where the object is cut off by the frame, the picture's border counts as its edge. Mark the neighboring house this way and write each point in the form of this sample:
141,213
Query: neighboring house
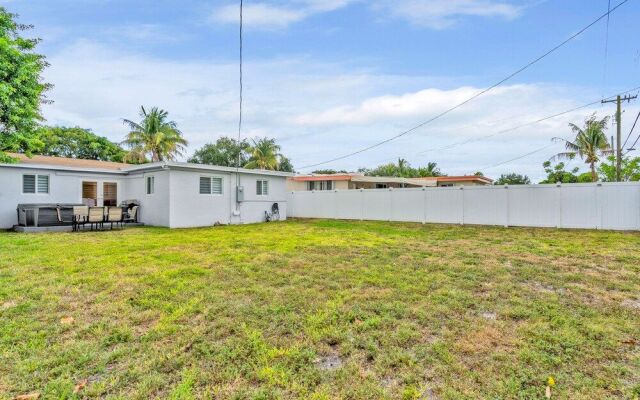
171,194
359,181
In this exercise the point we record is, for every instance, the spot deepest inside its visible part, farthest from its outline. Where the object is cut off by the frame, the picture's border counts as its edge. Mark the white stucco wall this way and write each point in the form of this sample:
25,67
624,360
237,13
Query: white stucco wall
189,208
154,208
64,187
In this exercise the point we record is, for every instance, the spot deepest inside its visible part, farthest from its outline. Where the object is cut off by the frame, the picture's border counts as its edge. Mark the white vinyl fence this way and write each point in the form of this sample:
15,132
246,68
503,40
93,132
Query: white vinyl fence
589,205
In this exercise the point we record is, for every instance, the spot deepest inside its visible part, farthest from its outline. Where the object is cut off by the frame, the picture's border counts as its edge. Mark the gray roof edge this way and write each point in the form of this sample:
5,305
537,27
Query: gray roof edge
204,167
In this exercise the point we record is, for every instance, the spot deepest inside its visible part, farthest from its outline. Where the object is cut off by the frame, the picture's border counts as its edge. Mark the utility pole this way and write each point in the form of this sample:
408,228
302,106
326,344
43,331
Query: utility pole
619,101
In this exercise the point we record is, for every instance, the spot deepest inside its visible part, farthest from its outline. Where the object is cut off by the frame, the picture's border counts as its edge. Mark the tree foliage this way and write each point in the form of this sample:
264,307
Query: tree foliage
21,87
77,142
153,136
329,171
262,153
403,169
629,169
558,174
224,152
590,143
513,179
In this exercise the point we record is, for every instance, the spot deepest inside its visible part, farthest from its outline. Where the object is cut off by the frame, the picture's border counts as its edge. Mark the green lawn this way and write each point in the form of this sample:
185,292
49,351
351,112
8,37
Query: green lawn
321,310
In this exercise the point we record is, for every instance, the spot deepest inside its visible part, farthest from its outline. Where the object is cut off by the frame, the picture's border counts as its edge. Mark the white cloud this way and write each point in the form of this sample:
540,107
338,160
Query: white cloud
259,16
316,110
441,14
435,14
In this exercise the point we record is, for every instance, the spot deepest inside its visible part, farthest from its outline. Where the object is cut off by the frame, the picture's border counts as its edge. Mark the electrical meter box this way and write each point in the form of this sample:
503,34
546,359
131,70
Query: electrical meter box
239,193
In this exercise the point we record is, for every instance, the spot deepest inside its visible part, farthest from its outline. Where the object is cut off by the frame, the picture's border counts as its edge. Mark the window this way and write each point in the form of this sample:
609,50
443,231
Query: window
262,187
320,185
151,184
35,184
381,186
210,185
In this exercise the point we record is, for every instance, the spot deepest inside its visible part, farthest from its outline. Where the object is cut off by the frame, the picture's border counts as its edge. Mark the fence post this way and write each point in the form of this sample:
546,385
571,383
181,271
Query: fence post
506,222
599,204
390,204
361,204
559,219
291,207
462,204
424,206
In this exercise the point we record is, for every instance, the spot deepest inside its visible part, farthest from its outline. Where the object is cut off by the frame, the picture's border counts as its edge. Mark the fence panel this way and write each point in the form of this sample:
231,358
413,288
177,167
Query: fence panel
533,205
377,204
406,205
592,206
444,205
485,206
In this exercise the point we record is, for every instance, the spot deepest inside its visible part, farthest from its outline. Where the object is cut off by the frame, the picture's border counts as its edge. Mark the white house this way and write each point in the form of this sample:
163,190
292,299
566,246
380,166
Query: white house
171,194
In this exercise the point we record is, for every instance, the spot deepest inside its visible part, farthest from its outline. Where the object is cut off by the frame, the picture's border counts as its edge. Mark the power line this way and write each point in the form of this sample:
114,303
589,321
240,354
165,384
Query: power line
449,110
463,142
631,131
637,139
518,158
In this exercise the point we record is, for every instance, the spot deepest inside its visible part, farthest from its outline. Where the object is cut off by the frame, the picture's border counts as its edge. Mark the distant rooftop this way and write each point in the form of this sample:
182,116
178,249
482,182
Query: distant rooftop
69,162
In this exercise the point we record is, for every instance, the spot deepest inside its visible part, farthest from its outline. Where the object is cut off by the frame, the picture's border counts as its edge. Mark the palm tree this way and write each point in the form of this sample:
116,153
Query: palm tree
402,165
153,135
589,144
265,154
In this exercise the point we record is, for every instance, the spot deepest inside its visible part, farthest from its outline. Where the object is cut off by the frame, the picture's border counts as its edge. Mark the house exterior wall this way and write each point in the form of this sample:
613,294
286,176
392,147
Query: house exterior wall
176,201
461,183
189,208
253,207
154,208
302,185
64,187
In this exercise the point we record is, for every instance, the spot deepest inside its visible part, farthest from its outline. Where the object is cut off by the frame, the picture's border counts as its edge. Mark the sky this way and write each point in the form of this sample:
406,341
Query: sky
329,77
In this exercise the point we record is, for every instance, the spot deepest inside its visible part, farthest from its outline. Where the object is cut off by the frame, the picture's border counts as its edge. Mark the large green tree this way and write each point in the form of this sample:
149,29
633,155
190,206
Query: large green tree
154,136
590,143
513,179
77,142
223,152
629,169
21,87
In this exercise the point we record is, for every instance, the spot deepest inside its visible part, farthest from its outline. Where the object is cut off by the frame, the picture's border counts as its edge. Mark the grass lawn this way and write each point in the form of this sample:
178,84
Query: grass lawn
321,310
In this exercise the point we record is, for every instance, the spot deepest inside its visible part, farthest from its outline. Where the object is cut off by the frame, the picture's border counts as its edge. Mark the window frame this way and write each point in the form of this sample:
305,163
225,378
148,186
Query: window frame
36,182
262,183
150,189
211,178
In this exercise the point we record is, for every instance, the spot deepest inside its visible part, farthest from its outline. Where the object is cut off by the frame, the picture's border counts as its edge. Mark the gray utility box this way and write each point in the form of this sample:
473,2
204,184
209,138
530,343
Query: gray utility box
239,193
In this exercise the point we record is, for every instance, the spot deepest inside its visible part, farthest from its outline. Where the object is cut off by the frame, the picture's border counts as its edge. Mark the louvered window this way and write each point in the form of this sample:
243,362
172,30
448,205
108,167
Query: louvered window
262,187
35,184
210,185
151,183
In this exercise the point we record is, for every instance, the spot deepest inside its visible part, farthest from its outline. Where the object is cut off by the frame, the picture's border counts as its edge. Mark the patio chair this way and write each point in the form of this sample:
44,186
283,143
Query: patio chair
131,215
80,216
96,217
114,216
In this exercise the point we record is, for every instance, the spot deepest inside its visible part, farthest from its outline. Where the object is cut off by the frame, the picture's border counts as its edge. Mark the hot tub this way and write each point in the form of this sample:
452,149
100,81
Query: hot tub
45,214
